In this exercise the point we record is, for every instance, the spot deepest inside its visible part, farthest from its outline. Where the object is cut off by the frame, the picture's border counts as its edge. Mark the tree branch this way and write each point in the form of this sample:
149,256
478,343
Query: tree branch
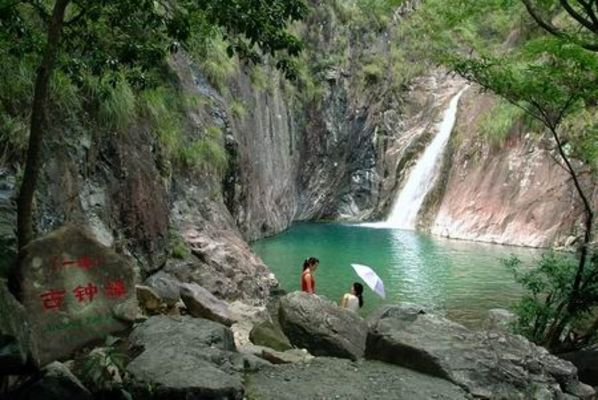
550,28
587,6
577,16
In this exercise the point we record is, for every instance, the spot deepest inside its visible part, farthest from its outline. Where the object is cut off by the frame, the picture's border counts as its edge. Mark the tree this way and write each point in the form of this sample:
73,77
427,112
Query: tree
581,27
551,80
138,34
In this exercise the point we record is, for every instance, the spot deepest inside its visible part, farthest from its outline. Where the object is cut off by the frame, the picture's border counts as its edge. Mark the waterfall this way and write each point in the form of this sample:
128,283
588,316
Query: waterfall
421,179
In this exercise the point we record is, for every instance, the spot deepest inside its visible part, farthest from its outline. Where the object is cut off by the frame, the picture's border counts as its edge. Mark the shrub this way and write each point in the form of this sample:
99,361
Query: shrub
548,288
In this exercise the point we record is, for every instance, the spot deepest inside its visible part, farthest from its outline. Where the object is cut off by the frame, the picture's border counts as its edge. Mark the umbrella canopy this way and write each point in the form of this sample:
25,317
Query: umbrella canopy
370,278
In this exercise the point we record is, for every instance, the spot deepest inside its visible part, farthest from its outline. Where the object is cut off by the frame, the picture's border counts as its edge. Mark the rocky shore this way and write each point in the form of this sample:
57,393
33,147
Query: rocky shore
196,346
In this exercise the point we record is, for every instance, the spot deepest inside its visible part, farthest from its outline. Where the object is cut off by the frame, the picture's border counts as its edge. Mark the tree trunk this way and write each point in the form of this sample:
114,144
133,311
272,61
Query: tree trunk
573,301
39,123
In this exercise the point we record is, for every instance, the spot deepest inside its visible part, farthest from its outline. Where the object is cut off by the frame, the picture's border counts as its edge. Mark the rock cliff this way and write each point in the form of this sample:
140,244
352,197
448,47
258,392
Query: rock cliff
337,144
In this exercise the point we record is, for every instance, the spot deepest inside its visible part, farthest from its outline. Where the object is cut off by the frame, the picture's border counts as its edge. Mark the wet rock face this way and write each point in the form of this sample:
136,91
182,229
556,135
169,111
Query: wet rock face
322,327
487,365
514,193
72,287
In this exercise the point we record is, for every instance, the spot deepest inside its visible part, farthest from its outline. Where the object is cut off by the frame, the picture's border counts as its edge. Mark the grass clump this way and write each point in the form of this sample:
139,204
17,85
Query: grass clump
496,125
373,71
178,247
206,153
213,59
117,103
259,79
238,109
160,106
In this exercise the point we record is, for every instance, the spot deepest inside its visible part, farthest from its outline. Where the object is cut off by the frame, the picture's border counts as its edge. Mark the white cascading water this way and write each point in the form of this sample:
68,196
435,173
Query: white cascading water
406,207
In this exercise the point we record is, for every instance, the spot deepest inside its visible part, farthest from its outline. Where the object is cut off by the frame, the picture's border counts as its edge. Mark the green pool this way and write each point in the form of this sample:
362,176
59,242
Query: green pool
459,279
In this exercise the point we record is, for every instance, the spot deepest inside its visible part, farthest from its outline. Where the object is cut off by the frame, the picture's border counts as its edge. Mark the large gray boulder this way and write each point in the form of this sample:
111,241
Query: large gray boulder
186,358
322,327
269,335
499,320
203,304
488,365
75,290
54,382
334,378
165,286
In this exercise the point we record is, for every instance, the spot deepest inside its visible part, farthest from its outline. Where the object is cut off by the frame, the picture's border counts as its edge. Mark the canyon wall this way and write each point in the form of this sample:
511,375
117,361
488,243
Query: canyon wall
341,154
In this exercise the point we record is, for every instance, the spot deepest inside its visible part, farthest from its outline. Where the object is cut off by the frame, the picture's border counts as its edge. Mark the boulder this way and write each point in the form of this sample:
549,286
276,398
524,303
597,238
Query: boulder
322,327
277,357
165,286
148,299
203,304
487,364
499,320
286,357
184,358
241,311
268,335
586,362
333,378
222,262
54,382
15,346
70,286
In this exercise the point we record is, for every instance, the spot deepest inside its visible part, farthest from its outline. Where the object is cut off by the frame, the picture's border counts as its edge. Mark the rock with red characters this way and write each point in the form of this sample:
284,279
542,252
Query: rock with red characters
71,286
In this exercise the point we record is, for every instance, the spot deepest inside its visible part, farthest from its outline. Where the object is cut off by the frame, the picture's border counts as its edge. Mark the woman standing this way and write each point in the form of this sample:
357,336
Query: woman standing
308,283
354,300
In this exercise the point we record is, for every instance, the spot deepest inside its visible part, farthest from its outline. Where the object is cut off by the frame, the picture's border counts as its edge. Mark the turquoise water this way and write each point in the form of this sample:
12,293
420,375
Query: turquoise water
459,279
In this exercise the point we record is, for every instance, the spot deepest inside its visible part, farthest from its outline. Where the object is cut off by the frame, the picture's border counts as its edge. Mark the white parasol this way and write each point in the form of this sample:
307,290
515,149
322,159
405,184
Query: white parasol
370,278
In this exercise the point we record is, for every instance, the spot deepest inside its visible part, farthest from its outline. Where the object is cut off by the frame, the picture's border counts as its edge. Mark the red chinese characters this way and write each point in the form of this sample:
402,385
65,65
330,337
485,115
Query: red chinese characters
53,299
83,292
84,262
115,289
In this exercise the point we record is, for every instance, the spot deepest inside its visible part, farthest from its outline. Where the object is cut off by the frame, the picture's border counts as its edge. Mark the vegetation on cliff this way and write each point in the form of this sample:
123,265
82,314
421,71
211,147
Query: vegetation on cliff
127,44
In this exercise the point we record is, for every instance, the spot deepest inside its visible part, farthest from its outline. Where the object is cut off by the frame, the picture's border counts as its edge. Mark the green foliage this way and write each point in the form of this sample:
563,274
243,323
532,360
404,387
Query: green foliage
238,109
213,58
259,79
548,286
100,368
178,247
117,103
160,106
205,153
498,123
366,14
373,71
